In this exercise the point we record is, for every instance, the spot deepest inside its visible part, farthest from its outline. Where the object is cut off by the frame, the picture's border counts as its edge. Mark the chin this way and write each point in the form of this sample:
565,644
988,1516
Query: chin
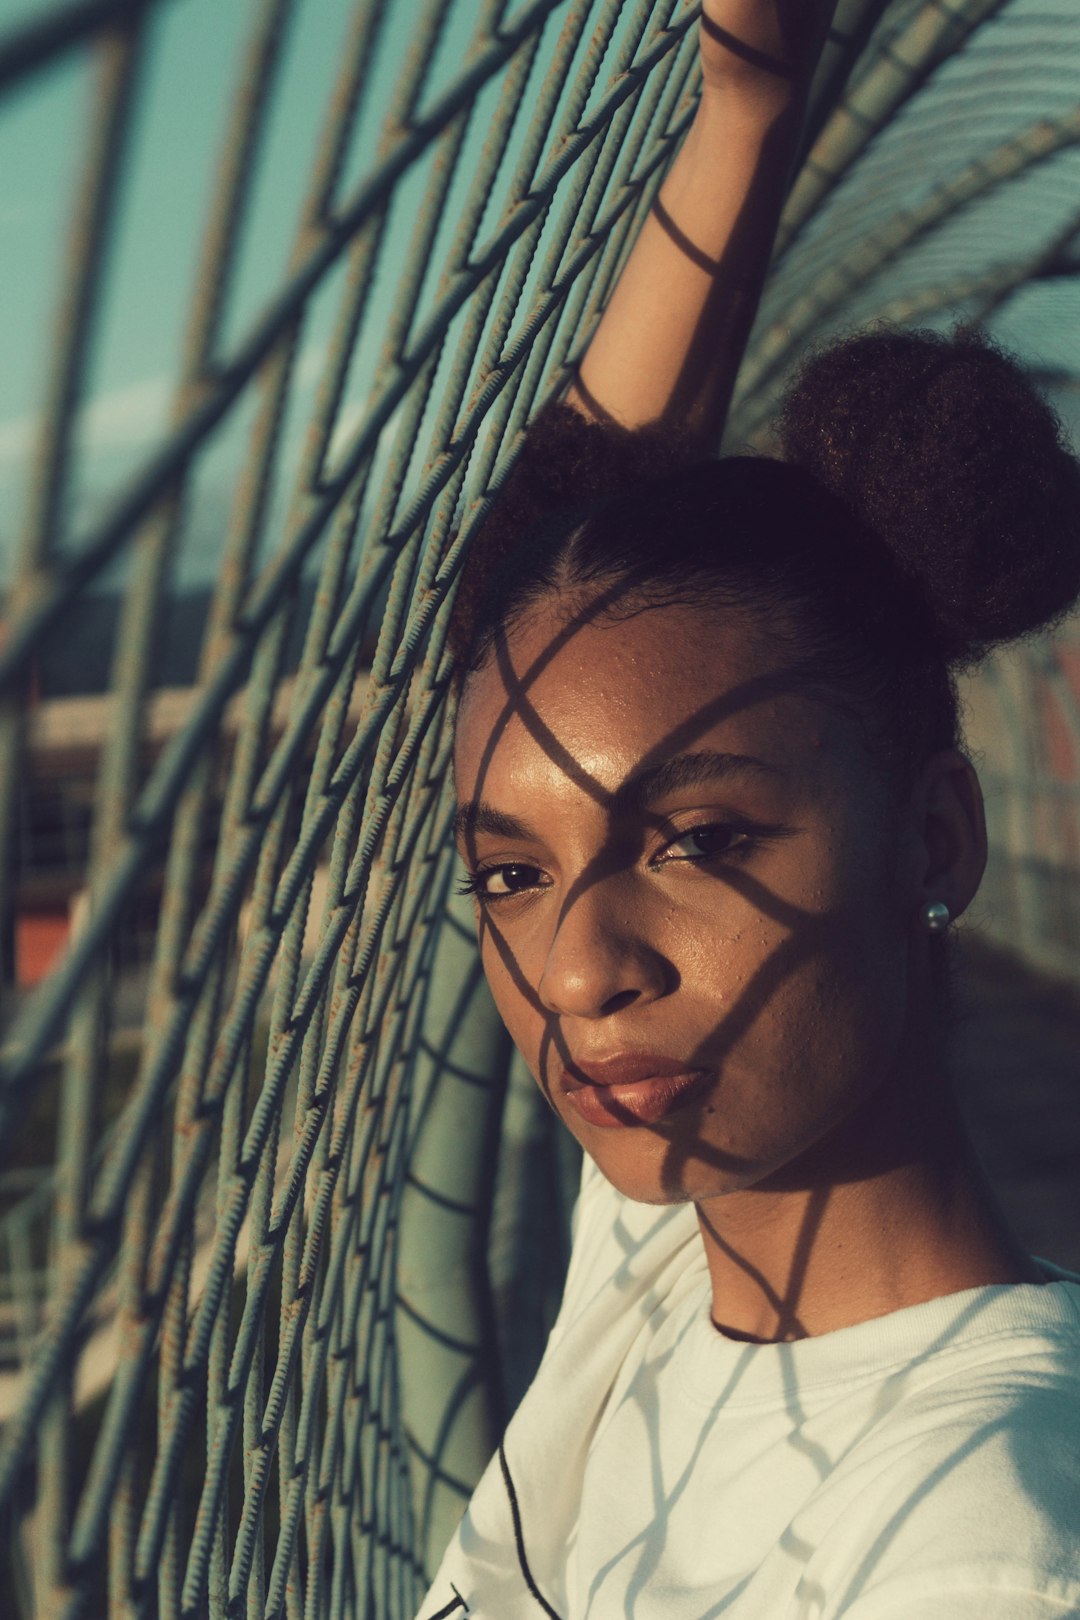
658,1170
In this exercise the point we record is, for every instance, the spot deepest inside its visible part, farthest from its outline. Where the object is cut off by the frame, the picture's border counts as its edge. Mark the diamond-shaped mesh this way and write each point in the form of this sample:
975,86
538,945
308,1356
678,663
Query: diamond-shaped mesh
249,1341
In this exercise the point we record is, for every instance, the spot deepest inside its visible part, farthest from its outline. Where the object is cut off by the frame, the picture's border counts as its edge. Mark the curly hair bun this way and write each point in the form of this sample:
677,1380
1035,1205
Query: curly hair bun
944,449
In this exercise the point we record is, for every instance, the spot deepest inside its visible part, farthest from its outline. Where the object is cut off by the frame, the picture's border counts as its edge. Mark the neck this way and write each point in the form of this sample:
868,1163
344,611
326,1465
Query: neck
890,1210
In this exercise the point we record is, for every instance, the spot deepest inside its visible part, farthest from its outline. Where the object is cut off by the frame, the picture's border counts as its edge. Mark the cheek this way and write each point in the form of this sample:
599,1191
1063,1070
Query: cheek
795,985
842,1012
832,1024
809,972
512,981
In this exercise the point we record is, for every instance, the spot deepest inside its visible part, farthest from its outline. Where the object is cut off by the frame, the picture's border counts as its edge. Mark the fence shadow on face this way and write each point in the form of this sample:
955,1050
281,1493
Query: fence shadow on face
806,933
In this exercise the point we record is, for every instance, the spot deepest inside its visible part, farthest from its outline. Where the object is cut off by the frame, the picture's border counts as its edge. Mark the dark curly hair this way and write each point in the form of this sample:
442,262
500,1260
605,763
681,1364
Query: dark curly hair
923,508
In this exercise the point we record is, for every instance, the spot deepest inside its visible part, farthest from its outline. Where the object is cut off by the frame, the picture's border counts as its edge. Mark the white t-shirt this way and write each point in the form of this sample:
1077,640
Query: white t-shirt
921,1466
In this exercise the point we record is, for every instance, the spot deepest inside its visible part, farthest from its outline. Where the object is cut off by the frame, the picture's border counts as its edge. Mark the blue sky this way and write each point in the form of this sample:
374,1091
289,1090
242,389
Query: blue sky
195,56
194,64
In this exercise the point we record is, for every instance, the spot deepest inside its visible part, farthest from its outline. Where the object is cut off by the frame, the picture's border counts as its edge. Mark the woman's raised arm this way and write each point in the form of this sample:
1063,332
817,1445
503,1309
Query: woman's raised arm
670,340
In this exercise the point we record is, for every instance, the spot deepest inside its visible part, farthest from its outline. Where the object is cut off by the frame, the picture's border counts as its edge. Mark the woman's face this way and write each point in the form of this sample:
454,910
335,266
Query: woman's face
693,900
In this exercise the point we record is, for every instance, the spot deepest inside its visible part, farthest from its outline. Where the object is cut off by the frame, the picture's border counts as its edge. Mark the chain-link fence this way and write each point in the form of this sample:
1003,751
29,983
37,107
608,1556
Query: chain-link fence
205,1411
267,1167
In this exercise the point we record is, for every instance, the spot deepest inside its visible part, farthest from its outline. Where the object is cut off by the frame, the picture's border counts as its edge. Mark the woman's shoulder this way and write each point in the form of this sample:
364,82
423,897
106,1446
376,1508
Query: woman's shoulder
966,1490
971,1514
970,1370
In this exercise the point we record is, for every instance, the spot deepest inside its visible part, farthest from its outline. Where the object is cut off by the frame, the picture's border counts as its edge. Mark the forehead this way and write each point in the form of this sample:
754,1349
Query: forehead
570,700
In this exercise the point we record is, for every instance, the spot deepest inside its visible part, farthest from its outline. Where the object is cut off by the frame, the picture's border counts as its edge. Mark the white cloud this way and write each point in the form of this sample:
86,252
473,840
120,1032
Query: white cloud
129,418
119,420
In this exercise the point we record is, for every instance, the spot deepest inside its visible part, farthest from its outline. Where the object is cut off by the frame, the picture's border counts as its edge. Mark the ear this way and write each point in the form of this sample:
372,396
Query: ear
950,854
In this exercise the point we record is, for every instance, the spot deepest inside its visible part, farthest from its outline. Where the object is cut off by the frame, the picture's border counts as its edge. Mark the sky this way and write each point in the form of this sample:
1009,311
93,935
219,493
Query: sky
191,73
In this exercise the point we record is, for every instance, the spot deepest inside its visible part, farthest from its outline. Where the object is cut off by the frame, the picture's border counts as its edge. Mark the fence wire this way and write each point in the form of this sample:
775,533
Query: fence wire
257,1116
208,1418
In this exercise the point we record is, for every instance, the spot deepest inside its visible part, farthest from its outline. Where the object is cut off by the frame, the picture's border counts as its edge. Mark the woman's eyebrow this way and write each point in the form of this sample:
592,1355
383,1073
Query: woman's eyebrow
474,816
680,772
639,791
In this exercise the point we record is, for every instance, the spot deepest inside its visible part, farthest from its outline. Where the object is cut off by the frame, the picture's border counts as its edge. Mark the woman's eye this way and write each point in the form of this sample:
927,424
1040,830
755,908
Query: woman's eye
698,843
494,882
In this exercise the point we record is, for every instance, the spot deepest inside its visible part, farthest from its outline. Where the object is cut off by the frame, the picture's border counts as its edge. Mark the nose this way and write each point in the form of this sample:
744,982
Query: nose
600,958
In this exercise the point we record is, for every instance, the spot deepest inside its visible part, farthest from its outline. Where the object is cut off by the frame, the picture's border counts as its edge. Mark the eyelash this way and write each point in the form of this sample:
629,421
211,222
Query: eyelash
473,884
746,841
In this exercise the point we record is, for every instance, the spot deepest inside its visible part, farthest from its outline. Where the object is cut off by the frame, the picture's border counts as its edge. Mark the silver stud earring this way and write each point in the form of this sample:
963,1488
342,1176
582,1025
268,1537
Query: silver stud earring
935,916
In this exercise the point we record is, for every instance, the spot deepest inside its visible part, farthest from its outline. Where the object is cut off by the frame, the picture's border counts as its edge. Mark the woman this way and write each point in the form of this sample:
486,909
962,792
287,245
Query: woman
717,820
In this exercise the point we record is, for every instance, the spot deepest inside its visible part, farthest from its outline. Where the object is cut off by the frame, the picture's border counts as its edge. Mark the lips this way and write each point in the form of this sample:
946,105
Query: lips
630,1088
